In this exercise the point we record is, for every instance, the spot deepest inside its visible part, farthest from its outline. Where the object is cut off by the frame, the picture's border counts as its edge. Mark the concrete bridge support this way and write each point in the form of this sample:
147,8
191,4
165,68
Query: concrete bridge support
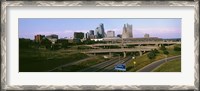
124,54
110,54
140,53
139,45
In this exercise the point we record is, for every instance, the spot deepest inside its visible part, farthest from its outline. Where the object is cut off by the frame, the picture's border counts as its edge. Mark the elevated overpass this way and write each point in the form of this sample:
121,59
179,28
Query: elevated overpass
135,43
122,50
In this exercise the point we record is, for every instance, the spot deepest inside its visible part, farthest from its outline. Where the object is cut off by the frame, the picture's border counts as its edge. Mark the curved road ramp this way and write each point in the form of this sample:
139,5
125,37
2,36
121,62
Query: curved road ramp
155,64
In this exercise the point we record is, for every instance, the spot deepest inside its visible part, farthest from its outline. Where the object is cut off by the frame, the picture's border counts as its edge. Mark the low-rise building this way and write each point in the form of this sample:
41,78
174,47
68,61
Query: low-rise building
38,38
53,38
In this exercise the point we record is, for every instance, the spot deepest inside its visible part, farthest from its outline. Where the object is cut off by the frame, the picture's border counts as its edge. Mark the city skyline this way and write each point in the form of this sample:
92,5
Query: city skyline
65,27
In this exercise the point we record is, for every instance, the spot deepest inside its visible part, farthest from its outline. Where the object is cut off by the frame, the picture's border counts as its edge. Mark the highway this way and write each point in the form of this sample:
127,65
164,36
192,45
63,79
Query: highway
107,64
136,43
111,67
155,64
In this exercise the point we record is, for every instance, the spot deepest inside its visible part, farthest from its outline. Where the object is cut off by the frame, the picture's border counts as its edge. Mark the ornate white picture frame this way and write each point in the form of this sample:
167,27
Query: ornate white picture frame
5,73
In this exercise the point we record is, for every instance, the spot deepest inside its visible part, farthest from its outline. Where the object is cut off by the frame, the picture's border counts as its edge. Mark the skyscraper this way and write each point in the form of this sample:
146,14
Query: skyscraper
99,31
102,32
146,35
87,35
96,33
110,34
91,32
127,31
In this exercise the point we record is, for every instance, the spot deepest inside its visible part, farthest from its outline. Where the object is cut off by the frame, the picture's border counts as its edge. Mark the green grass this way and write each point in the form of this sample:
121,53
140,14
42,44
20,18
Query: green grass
33,60
143,60
82,65
171,66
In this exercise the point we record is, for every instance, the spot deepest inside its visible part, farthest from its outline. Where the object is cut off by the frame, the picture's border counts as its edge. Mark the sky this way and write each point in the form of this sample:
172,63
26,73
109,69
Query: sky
65,27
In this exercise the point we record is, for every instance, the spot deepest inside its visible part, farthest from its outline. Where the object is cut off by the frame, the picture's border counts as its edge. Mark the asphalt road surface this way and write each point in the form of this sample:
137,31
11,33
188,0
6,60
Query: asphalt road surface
100,66
110,68
155,64
107,66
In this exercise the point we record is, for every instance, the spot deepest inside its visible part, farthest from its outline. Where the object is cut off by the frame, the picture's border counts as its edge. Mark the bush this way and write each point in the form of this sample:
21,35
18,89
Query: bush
25,43
176,48
47,43
155,51
151,55
165,52
63,42
56,47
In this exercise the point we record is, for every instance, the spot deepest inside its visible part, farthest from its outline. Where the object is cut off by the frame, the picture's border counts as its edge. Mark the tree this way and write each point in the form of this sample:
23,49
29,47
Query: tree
25,43
162,47
177,48
56,46
151,55
165,52
89,42
64,43
155,51
47,43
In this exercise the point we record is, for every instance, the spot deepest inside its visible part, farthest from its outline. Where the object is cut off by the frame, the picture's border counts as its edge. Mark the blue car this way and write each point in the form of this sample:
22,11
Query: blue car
120,67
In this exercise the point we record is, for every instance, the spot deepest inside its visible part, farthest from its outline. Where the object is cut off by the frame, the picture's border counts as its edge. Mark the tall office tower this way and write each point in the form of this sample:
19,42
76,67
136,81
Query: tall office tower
127,31
96,33
146,35
91,32
110,34
99,31
38,38
78,35
102,32
87,35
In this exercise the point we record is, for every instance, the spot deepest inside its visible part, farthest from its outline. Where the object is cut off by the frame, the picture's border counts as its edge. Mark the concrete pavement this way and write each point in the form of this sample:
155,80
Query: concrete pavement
155,64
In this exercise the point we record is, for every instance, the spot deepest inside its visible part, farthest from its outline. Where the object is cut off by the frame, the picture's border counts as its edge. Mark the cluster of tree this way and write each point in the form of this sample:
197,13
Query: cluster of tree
27,43
177,48
89,42
152,54
60,43
164,50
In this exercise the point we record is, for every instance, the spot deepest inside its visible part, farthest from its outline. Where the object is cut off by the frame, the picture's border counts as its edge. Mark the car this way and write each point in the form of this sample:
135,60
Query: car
120,67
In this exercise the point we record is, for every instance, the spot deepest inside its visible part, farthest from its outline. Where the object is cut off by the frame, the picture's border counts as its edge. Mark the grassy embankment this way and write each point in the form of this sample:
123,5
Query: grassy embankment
34,60
82,65
143,60
171,66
